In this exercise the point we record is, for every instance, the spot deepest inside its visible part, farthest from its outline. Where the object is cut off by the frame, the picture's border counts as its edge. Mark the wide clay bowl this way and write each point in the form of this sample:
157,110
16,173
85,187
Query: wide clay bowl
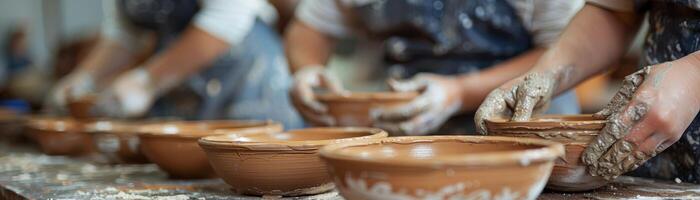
574,131
442,167
59,136
354,109
173,145
80,108
276,163
118,141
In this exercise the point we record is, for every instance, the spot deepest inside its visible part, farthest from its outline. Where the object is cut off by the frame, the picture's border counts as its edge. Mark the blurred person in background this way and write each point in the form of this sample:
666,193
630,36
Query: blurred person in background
225,54
657,106
453,51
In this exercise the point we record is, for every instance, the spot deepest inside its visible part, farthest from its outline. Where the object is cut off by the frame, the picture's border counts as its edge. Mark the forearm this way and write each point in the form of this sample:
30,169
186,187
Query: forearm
106,59
594,40
189,54
476,86
305,46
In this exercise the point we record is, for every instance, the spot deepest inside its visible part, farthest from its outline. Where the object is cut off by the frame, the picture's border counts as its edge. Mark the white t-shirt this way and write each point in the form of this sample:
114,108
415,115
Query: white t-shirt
544,19
228,20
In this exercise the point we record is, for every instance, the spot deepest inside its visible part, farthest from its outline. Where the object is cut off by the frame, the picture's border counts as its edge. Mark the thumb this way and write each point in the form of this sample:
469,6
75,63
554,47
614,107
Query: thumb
332,83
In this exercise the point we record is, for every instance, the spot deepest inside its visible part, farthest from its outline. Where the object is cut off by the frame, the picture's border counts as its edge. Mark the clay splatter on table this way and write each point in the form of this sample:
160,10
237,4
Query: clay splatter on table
27,174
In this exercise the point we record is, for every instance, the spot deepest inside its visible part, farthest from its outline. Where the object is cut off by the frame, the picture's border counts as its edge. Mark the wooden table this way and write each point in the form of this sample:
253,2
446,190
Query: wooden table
28,174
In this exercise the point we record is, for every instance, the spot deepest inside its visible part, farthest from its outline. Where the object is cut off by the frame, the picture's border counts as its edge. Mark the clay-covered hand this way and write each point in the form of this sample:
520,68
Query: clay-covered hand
73,86
649,113
440,98
131,95
304,99
518,99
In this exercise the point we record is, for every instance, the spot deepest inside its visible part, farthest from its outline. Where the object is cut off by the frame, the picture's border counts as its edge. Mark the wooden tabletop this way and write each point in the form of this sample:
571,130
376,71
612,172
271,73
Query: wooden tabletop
28,174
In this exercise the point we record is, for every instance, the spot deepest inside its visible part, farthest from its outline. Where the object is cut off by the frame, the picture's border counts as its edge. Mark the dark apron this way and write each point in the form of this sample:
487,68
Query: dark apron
674,32
444,36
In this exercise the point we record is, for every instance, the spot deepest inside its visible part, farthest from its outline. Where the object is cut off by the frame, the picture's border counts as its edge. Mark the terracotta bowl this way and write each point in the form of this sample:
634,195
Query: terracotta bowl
60,136
173,145
12,125
80,108
574,131
354,109
275,163
442,167
118,141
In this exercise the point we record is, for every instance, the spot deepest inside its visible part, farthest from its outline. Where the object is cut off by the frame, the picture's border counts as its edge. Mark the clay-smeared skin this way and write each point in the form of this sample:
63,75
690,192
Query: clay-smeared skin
531,94
609,155
303,96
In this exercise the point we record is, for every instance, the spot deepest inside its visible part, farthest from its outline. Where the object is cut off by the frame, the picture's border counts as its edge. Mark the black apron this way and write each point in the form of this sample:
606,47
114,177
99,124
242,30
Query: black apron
674,32
444,36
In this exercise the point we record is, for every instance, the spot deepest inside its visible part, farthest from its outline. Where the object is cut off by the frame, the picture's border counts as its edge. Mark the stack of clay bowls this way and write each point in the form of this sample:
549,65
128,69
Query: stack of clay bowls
173,145
442,167
117,140
574,131
59,135
285,164
354,109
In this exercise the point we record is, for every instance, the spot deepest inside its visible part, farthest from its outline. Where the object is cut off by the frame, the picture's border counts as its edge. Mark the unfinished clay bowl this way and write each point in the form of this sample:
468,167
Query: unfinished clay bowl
117,140
442,167
276,163
173,145
60,136
574,131
354,109
80,108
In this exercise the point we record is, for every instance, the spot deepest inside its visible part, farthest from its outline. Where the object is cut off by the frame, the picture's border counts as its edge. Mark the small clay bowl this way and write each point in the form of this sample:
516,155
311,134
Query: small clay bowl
275,163
118,141
173,145
60,136
574,131
80,108
12,124
442,167
354,109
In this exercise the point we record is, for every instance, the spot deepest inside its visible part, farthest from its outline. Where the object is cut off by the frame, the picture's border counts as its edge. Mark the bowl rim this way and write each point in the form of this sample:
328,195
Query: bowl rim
208,142
579,121
145,131
75,125
367,96
548,151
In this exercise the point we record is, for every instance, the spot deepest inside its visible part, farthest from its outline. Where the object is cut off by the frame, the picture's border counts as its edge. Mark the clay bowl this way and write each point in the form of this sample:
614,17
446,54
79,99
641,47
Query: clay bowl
173,145
80,108
574,131
442,167
275,163
12,124
117,140
59,136
354,109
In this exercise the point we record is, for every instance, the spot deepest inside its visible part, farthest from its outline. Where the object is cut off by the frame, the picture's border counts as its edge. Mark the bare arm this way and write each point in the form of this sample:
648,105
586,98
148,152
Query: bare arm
106,59
476,86
192,52
593,41
306,46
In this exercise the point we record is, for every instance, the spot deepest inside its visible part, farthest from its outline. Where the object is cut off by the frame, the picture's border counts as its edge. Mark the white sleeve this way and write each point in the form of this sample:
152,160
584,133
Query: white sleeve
324,16
115,27
546,19
231,20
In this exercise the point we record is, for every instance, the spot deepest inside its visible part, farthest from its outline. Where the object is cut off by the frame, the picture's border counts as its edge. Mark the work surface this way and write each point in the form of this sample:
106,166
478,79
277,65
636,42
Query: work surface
28,174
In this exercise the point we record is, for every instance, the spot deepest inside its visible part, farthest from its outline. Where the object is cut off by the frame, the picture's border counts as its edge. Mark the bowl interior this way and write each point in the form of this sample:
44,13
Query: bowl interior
368,96
197,128
318,134
54,124
430,150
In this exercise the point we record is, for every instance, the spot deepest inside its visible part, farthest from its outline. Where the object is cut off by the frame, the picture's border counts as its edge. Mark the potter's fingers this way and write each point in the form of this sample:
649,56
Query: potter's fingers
524,107
494,105
332,83
642,151
425,123
314,118
655,144
415,84
617,127
305,96
403,112
623,96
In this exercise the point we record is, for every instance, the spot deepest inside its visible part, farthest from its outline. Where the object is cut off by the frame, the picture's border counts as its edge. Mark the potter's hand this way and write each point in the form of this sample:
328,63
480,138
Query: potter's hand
440,98
649,113
73,86
303,96
519,98
131,95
